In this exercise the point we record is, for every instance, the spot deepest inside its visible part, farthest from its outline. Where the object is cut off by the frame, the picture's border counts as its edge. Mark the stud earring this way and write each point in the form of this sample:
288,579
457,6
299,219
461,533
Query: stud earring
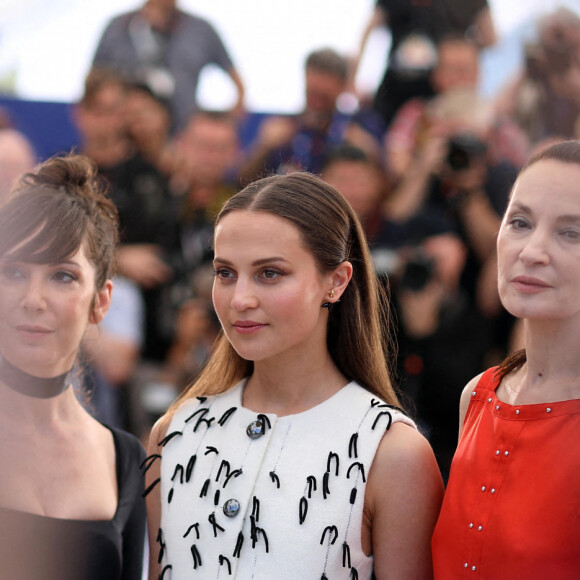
329,305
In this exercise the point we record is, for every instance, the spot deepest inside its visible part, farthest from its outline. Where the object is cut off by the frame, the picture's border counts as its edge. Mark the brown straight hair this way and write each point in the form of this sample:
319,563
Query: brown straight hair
358,327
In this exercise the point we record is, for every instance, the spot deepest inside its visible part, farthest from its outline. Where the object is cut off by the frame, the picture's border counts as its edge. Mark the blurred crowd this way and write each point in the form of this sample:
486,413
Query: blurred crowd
426,162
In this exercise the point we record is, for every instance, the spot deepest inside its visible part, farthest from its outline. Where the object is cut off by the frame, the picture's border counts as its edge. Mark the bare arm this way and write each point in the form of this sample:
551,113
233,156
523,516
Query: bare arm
402,502
412,189
378,18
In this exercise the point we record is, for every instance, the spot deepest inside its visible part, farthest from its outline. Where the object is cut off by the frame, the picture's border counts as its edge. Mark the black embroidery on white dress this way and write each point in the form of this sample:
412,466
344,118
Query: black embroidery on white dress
196,557
161,543
332,534
254,531
149,461
303,505
222,420
353,446
193,527
302,510
201,411
265,421
379,416
325,486
311,482
275,479
345,555
145,465
204,488
223,560
256,508
216,527
168,438
361,469
178,471
201,419
189,468
332,456
239,543
151,487
225,473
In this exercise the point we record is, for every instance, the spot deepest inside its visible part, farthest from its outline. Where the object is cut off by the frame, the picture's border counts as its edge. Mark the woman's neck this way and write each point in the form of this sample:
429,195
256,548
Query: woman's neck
33,386
285,390
39,415
552,369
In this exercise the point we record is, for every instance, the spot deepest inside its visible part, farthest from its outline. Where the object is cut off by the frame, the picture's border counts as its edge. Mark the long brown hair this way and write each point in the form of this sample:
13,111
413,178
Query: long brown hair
565,152
357,335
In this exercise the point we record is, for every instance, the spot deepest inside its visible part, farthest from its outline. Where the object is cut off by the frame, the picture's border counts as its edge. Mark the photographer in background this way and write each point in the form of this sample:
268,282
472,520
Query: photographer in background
457,71
453,185
421,261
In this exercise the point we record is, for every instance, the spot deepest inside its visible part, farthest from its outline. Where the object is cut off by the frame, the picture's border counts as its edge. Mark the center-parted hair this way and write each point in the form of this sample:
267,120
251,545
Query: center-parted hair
357,337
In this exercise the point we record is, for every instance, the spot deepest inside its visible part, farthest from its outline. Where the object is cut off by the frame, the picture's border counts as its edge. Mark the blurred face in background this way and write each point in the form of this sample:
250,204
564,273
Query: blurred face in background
457,67
159,12
209,148
147,118
360,182
322,91
102,114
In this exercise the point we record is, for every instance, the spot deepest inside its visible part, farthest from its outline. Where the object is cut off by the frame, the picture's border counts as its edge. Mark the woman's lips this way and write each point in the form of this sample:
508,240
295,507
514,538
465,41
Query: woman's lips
32,331
529,284
248,326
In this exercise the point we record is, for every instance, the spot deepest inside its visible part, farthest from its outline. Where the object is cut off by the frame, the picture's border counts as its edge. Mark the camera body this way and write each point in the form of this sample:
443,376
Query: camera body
463,148
413,269
418,271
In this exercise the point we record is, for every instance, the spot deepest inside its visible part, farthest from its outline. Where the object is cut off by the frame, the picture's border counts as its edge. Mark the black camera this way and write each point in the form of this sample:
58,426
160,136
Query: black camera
417,272
462,149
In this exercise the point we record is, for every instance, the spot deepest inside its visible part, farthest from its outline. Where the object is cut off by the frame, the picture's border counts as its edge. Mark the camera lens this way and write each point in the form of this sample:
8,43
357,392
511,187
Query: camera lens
462,148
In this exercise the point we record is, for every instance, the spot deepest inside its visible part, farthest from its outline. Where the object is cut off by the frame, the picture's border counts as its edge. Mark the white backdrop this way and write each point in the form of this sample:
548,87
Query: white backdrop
46,45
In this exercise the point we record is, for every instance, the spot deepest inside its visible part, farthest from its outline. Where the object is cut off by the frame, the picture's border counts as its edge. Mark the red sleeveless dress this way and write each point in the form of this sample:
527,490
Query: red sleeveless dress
512,506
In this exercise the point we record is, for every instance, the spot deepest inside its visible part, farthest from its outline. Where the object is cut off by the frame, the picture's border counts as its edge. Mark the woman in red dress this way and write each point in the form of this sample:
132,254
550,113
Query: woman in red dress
512,505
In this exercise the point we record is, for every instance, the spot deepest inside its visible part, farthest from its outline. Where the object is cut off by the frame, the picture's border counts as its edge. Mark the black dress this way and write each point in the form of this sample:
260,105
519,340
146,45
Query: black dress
43,548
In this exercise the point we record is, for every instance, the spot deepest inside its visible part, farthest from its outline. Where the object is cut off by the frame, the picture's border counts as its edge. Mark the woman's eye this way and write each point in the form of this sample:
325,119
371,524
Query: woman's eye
223,273
271,274
572,235
64,277
518,223
10,273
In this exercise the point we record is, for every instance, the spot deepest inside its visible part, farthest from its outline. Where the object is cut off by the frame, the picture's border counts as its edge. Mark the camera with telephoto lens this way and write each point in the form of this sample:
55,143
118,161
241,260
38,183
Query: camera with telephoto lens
462,149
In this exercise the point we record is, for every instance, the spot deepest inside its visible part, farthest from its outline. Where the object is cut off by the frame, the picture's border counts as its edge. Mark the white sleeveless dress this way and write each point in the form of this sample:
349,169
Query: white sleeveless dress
256,496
